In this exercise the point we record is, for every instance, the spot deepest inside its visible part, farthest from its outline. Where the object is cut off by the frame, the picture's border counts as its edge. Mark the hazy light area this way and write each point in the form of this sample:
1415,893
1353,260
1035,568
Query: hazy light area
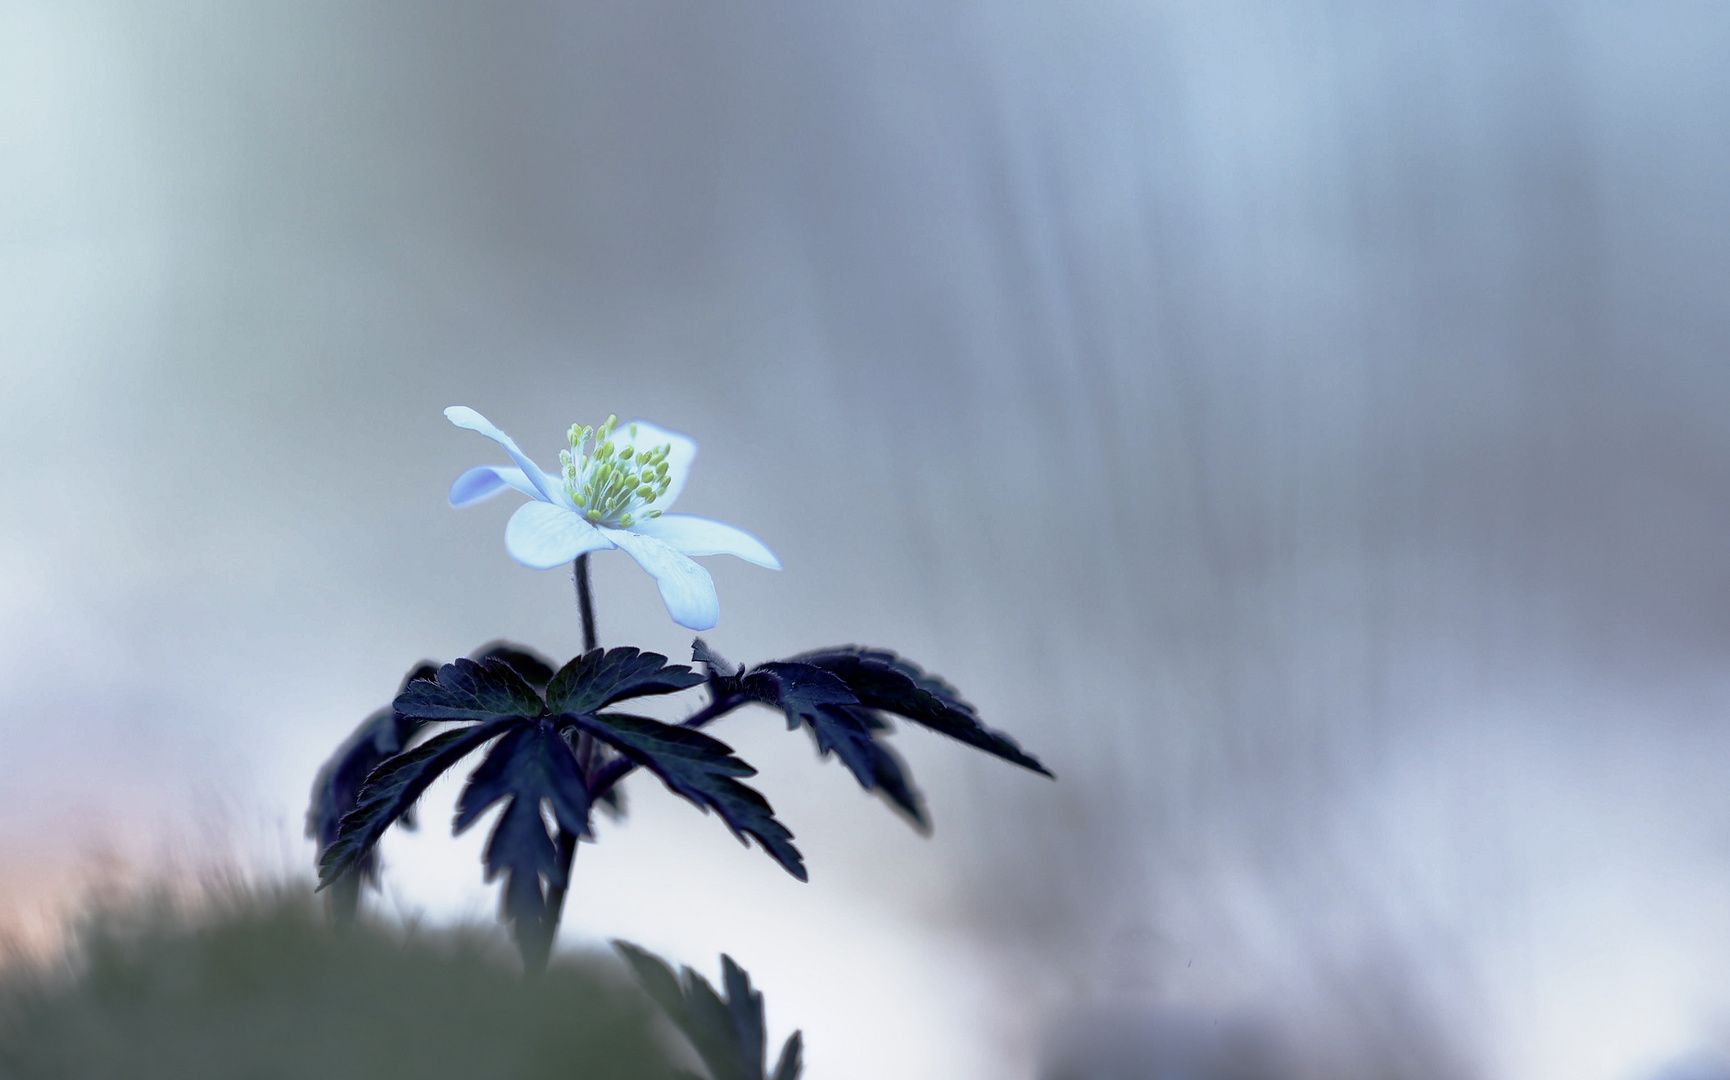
1305,426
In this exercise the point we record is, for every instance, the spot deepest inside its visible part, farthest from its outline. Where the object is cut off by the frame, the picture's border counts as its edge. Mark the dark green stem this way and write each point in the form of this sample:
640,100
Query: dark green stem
537,952
585,602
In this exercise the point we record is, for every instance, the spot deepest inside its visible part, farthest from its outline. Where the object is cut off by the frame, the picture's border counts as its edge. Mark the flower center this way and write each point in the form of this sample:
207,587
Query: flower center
611,483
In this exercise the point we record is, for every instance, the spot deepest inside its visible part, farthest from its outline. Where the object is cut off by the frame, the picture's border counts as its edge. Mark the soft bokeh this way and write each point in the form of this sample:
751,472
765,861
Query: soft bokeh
1301,424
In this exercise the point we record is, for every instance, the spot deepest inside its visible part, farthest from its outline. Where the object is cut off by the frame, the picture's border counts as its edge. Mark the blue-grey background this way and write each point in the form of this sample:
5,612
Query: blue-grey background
1303,424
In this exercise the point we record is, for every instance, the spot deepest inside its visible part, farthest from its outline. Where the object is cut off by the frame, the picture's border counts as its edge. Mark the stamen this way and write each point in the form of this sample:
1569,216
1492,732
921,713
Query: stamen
611,483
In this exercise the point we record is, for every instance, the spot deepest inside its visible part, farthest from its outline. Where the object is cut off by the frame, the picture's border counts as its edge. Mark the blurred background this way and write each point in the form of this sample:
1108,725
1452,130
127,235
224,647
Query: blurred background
1303,425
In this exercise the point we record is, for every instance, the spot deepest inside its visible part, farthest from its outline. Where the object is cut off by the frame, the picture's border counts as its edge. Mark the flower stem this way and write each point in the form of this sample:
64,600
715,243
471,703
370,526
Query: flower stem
535,961
585,602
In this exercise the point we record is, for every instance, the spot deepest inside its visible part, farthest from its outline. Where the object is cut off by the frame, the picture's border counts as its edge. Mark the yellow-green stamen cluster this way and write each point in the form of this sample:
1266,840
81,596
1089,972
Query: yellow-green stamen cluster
609,482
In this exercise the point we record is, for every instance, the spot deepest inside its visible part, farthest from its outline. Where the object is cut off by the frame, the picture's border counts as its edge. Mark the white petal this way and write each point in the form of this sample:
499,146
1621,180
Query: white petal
541,535
686,588
546,487
691,535
679,457
485,481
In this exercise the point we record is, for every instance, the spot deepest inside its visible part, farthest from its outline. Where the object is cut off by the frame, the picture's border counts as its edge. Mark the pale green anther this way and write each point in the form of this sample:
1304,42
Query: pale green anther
610,480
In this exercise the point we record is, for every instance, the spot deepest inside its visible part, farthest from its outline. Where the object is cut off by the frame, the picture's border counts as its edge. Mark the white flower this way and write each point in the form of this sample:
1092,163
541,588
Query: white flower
613,494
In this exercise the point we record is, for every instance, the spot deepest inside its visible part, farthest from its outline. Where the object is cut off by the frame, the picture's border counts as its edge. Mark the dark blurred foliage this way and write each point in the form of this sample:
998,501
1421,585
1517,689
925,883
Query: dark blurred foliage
252,983
728,1031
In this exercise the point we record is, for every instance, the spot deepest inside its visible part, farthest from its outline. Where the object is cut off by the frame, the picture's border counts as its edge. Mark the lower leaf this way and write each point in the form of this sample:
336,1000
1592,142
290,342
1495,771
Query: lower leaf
392,789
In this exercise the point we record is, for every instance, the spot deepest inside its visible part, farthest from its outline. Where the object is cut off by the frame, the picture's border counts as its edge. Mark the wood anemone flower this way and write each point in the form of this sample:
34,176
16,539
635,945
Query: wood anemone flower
614,488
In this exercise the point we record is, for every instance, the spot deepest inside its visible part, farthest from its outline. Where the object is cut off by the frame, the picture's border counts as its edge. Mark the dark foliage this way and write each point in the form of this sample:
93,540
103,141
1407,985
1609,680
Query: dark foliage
555,748
842,695
385,733
819,700
882,680
467,690
393,788
727,1033
703,770
251,984
723,677
531,666
855,734
597,679
529,766
336,790
533,765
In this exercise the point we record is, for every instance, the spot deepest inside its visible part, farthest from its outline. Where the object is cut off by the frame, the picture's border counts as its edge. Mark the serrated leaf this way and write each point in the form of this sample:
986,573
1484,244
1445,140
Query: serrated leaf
611,801
393,788
532,762
336,790
883,680
709,658
467,690
802,691
530,765
596,679
727,1033
745,1010
520,848
703,770
535,669
854,734
792,1060
819,700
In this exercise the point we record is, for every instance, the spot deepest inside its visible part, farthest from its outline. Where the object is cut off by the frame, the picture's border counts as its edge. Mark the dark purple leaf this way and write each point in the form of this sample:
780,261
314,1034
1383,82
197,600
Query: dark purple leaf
393,788
596,679
882,680
535,669
728,1032
703,770
466,690
820,701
